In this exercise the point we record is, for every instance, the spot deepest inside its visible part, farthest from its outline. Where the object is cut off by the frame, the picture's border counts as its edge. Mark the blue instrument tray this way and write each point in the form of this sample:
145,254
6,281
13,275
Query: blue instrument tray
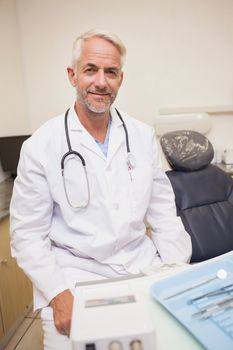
213,328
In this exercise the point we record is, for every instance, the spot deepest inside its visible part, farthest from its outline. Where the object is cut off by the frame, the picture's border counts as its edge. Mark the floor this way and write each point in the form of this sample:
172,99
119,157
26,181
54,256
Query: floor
29,334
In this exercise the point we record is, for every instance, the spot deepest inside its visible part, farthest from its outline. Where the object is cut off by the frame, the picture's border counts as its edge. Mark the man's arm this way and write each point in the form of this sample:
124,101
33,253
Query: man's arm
31,213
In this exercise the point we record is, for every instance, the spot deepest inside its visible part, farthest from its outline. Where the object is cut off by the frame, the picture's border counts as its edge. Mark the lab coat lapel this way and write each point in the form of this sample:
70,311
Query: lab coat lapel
80,137
88,142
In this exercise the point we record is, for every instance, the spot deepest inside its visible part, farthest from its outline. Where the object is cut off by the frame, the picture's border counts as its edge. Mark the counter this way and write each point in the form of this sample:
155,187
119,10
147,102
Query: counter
228,168
6,188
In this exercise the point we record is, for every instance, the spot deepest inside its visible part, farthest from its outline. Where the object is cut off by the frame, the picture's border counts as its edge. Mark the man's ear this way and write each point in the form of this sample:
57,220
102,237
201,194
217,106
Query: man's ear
72,76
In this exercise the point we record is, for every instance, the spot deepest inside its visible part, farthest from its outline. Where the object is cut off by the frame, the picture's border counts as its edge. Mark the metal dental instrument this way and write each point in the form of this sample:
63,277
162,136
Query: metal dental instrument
221,274
225,301
216,311
218,291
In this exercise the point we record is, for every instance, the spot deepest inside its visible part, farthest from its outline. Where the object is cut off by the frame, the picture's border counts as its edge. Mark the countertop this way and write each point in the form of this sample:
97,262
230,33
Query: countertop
6,188
228,168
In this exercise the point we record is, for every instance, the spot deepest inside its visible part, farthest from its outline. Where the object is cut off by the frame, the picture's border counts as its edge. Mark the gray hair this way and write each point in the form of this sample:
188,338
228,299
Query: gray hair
112,38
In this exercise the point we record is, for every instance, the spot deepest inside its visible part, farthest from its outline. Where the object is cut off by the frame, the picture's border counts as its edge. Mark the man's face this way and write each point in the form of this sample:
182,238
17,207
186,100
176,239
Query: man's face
97,75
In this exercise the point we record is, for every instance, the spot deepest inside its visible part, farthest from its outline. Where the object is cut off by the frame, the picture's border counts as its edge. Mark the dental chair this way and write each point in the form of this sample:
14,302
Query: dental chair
203,193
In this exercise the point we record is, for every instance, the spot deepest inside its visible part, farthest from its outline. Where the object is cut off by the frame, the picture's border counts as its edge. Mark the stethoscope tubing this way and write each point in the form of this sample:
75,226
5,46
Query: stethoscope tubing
75,153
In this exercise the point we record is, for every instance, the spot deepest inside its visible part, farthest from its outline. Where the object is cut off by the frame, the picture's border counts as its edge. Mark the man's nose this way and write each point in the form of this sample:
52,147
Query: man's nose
100,79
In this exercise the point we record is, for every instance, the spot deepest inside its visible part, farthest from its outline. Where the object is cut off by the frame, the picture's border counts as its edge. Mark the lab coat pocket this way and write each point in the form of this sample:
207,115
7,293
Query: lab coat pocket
141,186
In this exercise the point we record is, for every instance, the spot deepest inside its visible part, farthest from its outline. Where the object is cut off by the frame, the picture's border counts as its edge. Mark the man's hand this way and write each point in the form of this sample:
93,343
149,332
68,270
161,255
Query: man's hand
62,305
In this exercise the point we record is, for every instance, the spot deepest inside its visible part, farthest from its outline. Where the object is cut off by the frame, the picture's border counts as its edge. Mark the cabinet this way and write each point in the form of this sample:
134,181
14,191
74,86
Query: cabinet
15,288
1,326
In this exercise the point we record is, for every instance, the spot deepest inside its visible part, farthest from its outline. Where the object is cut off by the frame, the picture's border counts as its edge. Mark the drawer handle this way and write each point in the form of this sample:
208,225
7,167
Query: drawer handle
3,261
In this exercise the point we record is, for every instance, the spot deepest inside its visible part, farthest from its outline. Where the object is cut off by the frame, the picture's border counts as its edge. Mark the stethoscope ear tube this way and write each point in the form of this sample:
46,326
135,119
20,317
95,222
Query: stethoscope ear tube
70,151
66,130
64,158
126,131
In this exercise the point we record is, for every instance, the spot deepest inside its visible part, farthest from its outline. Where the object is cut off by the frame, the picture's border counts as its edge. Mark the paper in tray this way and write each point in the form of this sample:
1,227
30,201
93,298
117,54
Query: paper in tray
216,332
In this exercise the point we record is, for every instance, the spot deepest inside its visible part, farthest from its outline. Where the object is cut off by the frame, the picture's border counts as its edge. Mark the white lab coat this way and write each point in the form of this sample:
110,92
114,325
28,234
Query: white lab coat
51,240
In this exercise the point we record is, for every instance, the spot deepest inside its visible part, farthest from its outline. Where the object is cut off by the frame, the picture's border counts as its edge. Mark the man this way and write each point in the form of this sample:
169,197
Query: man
88,220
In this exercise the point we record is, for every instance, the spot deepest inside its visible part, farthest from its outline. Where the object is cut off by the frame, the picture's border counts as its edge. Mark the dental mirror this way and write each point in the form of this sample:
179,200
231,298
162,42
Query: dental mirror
221,274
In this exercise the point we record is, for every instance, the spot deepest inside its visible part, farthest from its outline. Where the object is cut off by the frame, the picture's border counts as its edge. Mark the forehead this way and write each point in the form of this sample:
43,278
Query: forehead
100,52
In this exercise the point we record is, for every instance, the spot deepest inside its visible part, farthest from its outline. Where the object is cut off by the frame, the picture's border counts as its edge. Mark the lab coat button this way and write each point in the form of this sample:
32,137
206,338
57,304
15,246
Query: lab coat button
116,206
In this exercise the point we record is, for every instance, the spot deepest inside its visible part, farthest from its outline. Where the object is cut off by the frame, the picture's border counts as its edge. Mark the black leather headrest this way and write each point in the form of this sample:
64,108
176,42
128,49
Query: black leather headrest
187,150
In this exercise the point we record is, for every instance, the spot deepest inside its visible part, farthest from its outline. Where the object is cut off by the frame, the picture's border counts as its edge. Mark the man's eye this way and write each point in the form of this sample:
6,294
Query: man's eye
90,70
111,73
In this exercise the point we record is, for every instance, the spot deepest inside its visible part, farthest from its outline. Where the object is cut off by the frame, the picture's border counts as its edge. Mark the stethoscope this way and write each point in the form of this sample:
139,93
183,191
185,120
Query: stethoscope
130,161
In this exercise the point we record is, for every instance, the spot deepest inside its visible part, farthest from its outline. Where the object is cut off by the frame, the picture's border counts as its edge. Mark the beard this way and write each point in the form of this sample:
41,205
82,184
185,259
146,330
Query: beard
99,106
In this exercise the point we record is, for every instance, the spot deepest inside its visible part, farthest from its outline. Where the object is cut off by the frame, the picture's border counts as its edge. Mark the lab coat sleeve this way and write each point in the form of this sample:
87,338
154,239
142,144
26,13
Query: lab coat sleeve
167,231
31,212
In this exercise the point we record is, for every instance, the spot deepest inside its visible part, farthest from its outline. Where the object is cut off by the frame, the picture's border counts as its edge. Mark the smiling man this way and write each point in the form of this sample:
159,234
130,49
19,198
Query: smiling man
96,74
87,182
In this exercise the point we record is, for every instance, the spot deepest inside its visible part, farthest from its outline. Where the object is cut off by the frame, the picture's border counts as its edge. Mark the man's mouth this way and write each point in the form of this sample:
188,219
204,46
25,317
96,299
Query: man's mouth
99,93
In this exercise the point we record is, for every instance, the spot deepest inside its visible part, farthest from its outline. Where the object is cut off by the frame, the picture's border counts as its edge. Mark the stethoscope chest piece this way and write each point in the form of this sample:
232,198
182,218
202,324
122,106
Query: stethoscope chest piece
130,161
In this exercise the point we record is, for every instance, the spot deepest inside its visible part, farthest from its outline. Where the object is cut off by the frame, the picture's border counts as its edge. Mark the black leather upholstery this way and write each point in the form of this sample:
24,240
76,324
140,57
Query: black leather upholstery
203,193
204,201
